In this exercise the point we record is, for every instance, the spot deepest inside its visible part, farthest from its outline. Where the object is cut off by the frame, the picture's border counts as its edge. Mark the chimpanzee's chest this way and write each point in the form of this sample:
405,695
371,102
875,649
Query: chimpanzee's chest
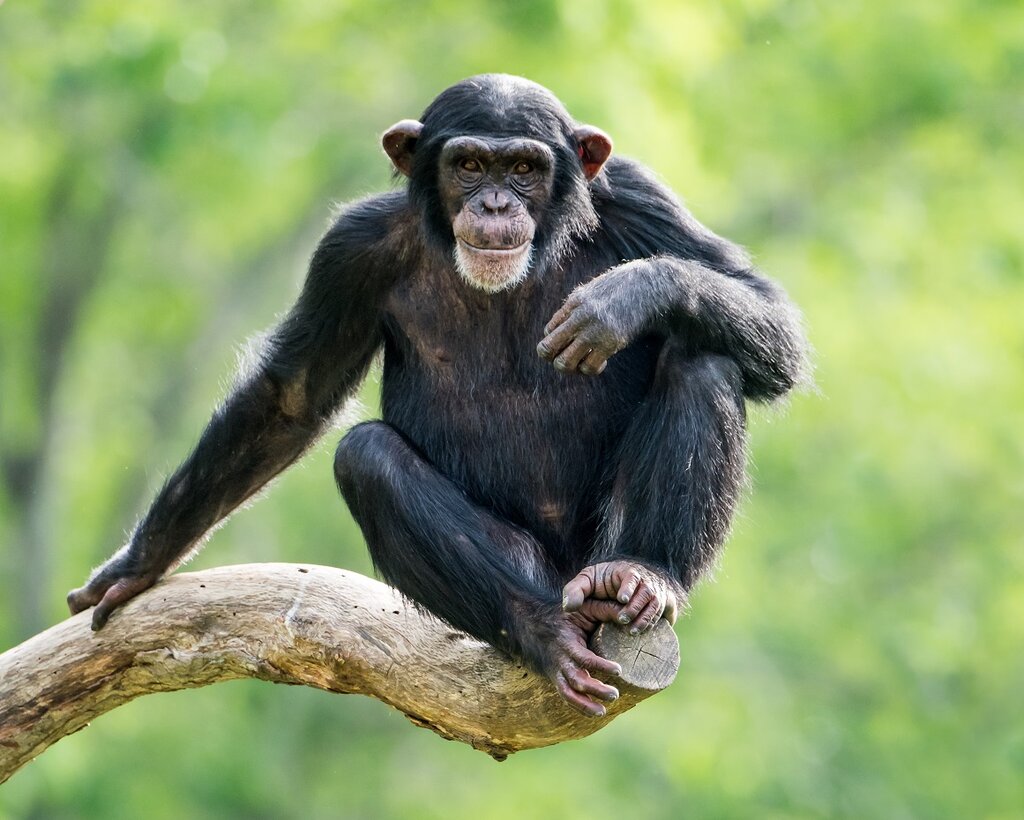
461,336
463,382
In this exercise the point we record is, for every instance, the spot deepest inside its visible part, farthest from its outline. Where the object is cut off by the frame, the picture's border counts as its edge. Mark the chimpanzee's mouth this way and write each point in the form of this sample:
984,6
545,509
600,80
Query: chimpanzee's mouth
495,252
493,269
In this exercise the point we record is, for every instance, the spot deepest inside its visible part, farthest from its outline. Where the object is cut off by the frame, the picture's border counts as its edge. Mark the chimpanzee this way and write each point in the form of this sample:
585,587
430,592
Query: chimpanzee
523,498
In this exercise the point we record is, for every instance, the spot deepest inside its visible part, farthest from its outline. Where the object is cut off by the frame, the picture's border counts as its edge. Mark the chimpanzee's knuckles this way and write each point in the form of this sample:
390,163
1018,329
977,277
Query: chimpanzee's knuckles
602,335
573,300
584,314
594,364
601,611
82,598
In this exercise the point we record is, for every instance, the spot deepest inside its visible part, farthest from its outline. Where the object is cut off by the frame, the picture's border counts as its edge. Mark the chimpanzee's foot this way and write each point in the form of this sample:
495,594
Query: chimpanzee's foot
571,662
107,592
642,594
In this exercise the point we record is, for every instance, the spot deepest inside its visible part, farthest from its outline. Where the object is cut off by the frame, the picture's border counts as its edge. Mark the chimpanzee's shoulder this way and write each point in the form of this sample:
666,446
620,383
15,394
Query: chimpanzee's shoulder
625,188
638,213
641,217
373,219
383,230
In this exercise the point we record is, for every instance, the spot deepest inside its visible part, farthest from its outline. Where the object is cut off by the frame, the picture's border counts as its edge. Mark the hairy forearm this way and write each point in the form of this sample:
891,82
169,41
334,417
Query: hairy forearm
247,443
741,315
737,314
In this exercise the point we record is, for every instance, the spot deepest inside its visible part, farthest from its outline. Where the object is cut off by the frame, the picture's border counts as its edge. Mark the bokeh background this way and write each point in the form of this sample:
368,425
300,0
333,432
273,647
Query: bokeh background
165,170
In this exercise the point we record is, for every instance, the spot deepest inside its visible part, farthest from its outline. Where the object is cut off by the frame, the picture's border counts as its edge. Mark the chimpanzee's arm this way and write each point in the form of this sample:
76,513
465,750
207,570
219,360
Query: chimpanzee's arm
682,280
310,364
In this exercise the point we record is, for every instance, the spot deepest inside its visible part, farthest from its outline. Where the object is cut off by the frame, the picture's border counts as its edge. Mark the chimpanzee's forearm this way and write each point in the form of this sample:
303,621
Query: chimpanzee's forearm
741,315
311,363
247,442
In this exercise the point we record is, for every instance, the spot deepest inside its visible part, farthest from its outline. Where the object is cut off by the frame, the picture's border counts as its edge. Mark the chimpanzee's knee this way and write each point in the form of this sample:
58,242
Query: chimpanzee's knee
717,374
363,453
678,362
705,378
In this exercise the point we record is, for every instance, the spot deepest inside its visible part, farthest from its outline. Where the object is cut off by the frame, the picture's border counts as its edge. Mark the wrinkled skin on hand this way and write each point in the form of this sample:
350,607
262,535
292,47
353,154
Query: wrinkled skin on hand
621,592
592,325
640,596
572,665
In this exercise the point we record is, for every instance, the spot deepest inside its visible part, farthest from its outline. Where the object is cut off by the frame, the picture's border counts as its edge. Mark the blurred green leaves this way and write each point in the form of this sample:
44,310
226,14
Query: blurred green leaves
164,173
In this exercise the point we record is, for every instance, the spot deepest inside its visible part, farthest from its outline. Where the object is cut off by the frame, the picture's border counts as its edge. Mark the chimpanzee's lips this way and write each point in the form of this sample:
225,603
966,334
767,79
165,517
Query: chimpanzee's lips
495,252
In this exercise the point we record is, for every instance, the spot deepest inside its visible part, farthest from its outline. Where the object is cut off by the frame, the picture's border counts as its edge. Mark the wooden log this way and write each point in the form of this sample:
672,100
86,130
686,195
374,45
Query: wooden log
302,624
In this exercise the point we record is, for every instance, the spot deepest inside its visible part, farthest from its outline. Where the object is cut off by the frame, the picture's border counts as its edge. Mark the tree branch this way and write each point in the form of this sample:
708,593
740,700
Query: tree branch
302,624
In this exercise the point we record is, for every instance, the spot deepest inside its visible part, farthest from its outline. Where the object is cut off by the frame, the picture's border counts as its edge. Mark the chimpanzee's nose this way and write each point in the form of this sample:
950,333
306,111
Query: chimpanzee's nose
495,202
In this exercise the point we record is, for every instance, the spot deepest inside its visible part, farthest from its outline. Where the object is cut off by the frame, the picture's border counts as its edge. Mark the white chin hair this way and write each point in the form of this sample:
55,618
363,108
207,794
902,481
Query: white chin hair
492,272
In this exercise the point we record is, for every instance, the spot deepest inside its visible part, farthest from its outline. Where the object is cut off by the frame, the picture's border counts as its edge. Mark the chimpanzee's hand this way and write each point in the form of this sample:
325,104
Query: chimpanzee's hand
645,595
571,662
598,319
109,587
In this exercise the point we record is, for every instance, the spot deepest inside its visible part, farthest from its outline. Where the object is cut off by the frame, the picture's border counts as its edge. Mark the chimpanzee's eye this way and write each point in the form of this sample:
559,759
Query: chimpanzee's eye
522,168
470,165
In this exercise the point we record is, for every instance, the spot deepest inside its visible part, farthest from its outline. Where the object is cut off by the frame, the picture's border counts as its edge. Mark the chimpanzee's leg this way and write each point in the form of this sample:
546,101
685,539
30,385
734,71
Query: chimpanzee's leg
680,468
422,532
479,573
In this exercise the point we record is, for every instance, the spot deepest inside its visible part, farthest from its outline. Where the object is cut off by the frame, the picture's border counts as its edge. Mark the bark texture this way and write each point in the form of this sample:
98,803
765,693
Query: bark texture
302,624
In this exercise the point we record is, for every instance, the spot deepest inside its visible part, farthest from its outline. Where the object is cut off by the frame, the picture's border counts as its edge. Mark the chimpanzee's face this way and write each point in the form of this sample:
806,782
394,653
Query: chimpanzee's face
495,191
500,172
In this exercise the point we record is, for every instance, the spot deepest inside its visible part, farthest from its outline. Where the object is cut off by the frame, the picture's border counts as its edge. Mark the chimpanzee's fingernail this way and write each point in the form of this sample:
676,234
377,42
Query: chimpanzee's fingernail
565,602
623,618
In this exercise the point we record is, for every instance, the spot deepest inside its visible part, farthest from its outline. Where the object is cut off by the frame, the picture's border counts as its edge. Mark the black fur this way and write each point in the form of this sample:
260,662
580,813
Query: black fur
493,478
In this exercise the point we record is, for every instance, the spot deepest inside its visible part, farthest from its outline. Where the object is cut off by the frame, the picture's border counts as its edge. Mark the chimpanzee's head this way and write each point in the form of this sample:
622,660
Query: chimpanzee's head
500,171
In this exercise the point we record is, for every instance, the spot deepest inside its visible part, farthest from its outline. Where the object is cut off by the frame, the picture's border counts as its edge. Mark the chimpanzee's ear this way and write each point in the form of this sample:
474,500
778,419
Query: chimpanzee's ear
399,142
595,146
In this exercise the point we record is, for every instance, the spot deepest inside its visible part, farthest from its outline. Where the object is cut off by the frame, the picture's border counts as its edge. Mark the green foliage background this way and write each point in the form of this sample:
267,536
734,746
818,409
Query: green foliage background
165,170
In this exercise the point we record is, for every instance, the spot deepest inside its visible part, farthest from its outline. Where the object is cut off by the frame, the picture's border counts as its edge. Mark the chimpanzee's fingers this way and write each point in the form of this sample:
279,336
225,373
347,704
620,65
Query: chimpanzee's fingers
568,360
558,339
82,598
600,611
563,313
583,683
636,604
594,364
628,581
121,591
593,662
648,616
671,609
580,703
577,590
606,581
